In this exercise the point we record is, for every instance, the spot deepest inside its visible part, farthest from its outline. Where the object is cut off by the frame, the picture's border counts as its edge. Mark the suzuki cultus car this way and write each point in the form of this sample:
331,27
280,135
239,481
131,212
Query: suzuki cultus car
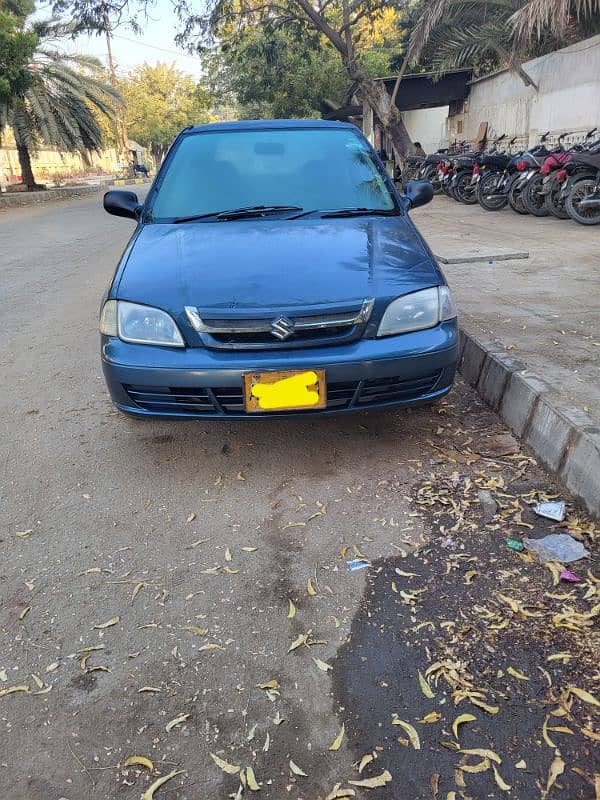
274,270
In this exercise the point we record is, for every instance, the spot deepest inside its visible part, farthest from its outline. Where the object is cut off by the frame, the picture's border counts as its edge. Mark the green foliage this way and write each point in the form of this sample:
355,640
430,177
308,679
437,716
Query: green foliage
160,100
16,47
278,73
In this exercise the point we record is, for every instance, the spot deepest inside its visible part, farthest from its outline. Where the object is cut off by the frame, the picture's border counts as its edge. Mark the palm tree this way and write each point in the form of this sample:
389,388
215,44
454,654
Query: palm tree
57,107
555,16
450,34
456,33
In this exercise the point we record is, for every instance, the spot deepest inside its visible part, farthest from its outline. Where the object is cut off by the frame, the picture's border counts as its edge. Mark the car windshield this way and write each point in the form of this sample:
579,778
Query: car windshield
306,168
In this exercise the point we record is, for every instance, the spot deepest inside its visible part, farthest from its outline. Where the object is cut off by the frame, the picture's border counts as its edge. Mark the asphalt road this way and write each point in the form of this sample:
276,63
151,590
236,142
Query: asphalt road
192,556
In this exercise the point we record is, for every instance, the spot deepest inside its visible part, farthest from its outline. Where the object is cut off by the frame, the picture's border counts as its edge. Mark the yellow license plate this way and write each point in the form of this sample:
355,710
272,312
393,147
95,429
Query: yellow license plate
292,390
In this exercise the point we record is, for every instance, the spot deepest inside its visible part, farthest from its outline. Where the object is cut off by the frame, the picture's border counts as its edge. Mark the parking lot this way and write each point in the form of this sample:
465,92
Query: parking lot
182,592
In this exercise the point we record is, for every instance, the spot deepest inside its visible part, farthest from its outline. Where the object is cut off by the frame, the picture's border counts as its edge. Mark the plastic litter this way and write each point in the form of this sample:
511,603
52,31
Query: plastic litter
357,563
570,577
557,547
488,505
515,544
555,510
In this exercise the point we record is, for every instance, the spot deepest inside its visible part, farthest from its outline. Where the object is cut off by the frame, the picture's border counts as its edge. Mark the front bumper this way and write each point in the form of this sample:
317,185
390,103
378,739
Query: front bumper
197,383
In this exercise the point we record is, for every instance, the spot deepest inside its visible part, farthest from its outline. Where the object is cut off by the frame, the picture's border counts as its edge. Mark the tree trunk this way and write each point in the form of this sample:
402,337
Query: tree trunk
26,169
376,95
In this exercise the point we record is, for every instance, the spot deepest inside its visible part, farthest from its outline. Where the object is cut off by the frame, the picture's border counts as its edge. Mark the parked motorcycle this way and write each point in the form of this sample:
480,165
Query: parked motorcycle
583,201
493,175
526,165
561,173
534,200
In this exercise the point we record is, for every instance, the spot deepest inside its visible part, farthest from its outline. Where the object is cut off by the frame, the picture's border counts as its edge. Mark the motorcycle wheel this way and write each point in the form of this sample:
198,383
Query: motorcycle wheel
487,186
515,199
555,205
533,200
431,175
580,190
464,191
446,189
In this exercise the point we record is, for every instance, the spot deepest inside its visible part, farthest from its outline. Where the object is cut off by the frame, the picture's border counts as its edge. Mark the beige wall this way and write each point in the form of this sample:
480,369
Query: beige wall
49,163
567,99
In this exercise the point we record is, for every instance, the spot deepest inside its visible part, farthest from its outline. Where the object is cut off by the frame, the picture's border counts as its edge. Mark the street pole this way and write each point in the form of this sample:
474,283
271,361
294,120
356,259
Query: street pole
119,126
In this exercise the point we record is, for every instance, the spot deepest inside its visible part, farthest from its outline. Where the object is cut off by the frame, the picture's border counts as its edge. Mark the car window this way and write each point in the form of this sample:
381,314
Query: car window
304,167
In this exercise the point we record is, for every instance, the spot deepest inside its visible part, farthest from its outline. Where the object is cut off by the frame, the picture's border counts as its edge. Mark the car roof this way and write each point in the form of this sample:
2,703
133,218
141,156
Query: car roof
269,124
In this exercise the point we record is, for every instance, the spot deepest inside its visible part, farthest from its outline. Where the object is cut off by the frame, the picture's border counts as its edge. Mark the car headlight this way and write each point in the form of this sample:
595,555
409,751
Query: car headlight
139,324
417,311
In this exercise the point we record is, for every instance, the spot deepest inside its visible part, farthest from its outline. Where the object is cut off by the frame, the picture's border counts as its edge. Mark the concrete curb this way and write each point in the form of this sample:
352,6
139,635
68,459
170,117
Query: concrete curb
563,438
20,199
130,181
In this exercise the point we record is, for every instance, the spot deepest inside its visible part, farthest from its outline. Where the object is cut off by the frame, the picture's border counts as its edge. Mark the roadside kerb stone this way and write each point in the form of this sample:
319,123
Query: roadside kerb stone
562,437
19,199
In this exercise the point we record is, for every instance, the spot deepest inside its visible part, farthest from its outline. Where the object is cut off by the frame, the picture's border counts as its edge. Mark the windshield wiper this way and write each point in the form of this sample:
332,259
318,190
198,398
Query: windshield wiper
239,213
328,213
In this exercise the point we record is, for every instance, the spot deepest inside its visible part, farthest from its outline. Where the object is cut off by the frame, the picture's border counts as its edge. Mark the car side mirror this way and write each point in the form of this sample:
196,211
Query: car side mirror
419,193
122,204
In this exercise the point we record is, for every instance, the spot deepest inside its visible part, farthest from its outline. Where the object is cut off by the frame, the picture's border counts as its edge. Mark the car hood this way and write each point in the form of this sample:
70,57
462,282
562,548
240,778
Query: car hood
252,266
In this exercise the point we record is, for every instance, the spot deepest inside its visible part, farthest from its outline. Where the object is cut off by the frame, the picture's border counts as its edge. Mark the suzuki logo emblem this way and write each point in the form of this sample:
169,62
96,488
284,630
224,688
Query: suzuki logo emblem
282,328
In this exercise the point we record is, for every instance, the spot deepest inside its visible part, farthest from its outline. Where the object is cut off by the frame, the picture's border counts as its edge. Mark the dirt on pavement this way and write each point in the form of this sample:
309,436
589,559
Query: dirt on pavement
155,575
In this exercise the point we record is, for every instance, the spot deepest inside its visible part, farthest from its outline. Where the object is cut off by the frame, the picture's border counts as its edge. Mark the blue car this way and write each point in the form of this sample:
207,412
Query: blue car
274,271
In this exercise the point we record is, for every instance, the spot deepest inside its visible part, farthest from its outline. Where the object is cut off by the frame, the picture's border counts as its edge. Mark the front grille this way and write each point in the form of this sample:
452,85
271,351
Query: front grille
230,400
281,331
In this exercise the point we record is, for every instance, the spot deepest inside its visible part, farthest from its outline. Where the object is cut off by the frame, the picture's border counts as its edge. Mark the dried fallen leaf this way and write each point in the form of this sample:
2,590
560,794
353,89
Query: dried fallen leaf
210,646
230,769
470,575
37,680
249,549
291,610
196,630
149,689
251,780
52,667
178,720
460,720
374,783
486,707
108,624
191,517
23,534
366,759
136,590
24,612
556,769
149,793
412,733
545,736
310,588
482,766
426,688
433,716
583,695
13,690
322,665
228,556
481,751
522,764
297,770
272,684
337,742
499,780
298,642
516,674
139,761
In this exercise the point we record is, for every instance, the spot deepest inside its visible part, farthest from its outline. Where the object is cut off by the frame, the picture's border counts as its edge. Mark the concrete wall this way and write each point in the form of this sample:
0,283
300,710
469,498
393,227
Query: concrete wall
428,126
568,98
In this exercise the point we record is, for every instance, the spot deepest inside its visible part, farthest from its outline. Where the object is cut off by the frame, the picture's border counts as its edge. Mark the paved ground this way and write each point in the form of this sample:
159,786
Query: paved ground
154,576
546,308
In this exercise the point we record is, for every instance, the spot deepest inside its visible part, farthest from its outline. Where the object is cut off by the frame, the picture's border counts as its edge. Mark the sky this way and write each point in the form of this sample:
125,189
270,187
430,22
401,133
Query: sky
156,43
